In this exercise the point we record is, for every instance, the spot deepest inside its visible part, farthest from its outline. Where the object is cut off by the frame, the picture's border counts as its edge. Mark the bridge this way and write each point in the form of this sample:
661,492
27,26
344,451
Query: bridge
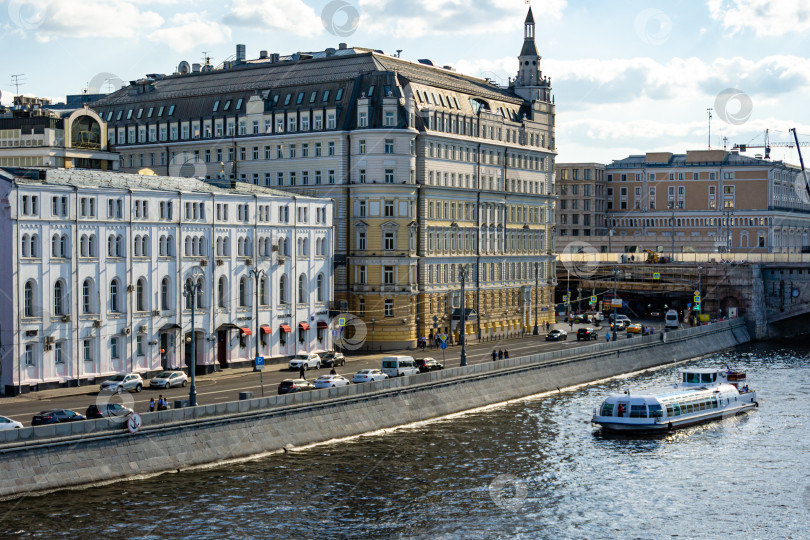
770,290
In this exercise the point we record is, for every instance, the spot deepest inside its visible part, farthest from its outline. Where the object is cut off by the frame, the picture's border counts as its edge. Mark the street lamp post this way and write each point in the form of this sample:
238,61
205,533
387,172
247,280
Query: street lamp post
373,320
191,292
615,276
257,273
462,275
536,330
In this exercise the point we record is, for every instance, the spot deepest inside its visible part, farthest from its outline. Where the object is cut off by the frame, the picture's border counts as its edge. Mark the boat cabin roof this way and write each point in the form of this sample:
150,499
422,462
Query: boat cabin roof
702,370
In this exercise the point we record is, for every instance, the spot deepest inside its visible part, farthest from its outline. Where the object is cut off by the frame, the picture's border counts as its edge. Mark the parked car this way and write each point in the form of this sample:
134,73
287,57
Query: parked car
168,379
118,383
290,386
369,375
8,423
557,335
56,416
428,364
634,329
333,359
586,334
106,410
308,360
331,381
621,317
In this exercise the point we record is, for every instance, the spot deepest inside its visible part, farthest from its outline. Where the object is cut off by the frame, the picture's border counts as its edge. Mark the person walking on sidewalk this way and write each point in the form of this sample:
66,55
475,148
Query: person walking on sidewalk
302,372
505,354
494,355
500,354
152,405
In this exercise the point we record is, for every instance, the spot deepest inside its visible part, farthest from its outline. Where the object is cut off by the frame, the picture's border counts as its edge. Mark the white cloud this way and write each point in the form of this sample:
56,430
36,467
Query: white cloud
188,30
293,16
52,19
764,17
430,17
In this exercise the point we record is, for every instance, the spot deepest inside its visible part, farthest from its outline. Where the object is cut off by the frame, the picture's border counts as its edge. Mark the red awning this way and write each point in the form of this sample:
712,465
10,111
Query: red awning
265,329
245,330
285,328
303,326
322,325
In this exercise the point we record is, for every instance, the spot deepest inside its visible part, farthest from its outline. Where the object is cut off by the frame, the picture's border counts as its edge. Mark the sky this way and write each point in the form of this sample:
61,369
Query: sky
628,76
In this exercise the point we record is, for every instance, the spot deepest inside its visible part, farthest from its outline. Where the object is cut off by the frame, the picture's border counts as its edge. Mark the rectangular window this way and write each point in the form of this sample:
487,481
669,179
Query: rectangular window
389,208
389,176
389,308
388,241
389,146
388,275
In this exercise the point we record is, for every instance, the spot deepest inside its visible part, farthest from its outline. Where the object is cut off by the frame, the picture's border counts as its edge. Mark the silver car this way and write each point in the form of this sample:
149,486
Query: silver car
119,383
308,360
168,379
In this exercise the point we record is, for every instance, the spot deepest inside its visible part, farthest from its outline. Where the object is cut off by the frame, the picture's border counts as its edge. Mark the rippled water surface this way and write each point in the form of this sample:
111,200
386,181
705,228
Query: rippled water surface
533,469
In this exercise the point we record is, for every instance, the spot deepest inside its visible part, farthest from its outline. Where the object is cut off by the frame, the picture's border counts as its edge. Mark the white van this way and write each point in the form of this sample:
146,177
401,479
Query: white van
397,366
671,319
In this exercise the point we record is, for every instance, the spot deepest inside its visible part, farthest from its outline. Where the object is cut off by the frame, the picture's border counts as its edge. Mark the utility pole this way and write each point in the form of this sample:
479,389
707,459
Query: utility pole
709,110
672,249
615,276
536,330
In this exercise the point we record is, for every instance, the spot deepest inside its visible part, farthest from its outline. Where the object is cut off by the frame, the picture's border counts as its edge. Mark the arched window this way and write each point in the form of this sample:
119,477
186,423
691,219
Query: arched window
28,299
145,245
263,296
55,246
91,246
165,293
240,247
222,292
282,289
25,246
219,246
34,246
320,288
226,246
162,246
187,251
111,246
58,298
119,246
248,251
200,293
243,292
136,247
170,246
115,300
64,246
140,295
306,246
302,288
200,245
187,292
87,296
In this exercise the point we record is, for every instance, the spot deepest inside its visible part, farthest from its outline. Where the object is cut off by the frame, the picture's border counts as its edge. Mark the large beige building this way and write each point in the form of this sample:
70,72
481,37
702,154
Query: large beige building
431,170
581,200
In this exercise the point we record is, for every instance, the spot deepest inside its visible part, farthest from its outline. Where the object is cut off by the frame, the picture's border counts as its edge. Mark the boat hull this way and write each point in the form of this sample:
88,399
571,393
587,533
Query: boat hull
611,424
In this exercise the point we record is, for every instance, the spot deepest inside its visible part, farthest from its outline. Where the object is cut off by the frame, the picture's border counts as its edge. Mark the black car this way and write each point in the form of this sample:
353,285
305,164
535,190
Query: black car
289,386
428,364
333,359
586,334
56,416
107,410
557,335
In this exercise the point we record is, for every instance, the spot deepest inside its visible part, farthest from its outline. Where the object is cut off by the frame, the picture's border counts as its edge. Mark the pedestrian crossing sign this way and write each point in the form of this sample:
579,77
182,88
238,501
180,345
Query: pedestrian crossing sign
593,299
342,321
656,275
696,299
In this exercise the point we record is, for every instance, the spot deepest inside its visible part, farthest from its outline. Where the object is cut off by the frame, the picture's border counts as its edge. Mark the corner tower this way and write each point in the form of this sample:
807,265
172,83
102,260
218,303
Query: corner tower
530,83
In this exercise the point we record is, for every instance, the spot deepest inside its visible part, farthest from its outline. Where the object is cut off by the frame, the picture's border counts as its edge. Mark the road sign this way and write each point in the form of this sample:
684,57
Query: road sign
435,325
334,333
697,293
342,321
134,422
656,275
688,305
616,302
443,345
696,299
258,363
443,337
593,299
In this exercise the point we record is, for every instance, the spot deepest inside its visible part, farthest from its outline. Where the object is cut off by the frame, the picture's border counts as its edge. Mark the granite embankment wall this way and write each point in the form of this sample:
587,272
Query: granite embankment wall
46,458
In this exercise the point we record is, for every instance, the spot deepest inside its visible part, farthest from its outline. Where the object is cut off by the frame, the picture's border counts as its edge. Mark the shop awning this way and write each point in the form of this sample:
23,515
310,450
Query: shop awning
227,326
303,326
285,328
245,330
322,325
265,329
169,327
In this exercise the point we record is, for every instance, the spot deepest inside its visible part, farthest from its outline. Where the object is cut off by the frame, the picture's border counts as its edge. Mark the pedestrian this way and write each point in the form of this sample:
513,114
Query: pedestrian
302,372
152,404
500,354
571,322
160,402
333,372
494,355
548,326
505,354
607,336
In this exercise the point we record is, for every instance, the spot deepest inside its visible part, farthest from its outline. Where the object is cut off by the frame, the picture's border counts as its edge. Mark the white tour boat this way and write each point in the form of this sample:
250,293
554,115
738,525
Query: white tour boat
700,396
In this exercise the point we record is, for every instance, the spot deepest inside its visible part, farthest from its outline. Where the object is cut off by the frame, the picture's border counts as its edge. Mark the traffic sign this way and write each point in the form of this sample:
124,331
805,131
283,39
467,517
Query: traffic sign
342,321
656,275
593,299
258,363
688,305
696,299
443,337
334,333
616,302
134,422
435,318
697,293
435,325
443,345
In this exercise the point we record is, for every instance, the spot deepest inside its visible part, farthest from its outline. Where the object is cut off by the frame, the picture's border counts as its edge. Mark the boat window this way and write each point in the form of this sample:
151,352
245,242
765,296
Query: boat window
706,377
714,403
607,409
702,405
677,407
688,408
655,410
691,377
670,410
638,411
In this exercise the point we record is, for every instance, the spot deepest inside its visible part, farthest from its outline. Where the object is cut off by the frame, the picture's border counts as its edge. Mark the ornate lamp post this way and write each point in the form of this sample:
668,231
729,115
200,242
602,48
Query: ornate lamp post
191,292
257,274
536,330
462,276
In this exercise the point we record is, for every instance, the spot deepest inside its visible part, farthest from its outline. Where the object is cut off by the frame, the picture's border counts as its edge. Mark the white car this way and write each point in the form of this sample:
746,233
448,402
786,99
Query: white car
8,423
168,379
331,381
308,360
118,383
369,375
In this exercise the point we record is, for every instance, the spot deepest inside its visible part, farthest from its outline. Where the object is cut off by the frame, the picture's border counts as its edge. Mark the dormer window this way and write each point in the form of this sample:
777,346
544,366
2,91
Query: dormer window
287,99
325,96
216,106
171,110
371,90
300,99
227,105
238,104
339,94
313,97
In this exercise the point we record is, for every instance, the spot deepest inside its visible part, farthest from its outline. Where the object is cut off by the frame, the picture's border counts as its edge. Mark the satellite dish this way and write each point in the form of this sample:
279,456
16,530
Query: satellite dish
184,68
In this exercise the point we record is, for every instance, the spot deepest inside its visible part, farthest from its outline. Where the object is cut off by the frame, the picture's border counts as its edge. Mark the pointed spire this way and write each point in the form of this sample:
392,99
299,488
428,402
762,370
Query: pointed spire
530,16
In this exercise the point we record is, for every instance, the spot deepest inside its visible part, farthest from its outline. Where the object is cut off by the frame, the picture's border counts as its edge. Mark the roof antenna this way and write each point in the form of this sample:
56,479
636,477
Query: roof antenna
709,110
399,53
725,142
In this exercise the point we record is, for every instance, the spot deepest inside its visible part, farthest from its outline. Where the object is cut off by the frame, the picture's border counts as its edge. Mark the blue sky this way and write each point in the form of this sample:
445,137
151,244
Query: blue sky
628,76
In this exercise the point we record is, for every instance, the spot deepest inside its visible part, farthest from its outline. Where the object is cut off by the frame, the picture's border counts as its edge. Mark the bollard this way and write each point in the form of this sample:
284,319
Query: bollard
245,395
180,403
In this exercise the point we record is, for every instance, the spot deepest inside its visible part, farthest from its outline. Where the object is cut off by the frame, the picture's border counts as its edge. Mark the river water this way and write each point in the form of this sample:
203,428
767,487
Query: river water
532,469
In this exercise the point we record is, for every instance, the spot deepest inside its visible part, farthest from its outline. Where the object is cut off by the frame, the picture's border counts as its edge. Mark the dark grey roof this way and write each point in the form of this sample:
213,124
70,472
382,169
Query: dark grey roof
530,16
529,48
679,160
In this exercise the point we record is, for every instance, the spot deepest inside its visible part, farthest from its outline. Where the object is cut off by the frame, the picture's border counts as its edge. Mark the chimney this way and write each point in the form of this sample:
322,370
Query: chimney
343,46
262,54
274,57
195,68
330,51
240,53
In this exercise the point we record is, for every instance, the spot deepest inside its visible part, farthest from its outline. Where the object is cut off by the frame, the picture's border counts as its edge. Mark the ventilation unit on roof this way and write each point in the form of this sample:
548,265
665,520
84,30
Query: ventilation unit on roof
330,51
274,57
184,68
240,53
342,46
425,61
262,54
195,68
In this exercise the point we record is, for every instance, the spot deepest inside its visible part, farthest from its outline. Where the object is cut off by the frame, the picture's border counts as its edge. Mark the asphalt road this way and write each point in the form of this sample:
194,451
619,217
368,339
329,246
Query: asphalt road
224,386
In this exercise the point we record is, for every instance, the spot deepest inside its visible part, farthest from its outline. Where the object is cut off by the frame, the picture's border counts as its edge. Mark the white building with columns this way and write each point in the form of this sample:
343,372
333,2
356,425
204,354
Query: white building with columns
96,265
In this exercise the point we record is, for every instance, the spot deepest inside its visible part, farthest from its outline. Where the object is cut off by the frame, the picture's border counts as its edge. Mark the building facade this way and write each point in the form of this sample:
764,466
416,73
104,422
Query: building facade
105,271
31,135
581,202
431,171
706,200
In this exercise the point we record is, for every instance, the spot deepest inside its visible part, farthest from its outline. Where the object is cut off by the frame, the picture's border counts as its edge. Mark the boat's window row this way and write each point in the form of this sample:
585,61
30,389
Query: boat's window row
697,378
677,408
